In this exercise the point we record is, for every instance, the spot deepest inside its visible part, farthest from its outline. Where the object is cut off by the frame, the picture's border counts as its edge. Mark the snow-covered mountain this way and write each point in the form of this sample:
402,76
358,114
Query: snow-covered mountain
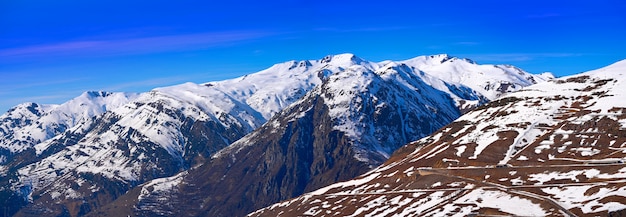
552,149
159,134
460,76
28,124
271,90
373,108
346,125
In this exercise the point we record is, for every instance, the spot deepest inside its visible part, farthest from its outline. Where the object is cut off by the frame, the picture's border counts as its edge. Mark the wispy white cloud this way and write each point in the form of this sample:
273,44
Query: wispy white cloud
134,45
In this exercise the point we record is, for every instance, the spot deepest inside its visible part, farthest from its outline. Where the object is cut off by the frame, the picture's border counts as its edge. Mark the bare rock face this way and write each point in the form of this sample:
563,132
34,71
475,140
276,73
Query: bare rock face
618,213
95,165
552,149
334,133
230,147
345,126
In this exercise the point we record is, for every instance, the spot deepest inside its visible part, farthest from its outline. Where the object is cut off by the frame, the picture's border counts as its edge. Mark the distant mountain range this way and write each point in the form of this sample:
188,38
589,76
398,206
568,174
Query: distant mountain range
553,149
227,148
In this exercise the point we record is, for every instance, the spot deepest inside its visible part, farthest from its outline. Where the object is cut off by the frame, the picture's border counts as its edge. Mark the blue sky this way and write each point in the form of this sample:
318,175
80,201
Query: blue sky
52,51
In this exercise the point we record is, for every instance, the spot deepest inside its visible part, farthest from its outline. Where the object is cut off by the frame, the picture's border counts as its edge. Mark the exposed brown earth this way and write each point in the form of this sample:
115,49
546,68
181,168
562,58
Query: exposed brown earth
551,150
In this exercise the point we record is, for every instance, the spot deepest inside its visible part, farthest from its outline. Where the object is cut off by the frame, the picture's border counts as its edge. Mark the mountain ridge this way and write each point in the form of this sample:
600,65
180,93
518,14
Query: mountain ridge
551,149
28,124
174,129
343,127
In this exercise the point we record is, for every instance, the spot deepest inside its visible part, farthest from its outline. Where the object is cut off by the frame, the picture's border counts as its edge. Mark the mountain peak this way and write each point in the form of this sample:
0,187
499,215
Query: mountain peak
342,58
95,94
547,75
436,60
442,57
32,107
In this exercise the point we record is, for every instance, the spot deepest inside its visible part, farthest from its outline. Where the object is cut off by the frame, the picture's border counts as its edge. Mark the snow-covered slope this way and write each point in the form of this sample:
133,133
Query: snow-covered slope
490,81
356,84
552,149
271,90
159,134
378,110
28,124
172,129
350,122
